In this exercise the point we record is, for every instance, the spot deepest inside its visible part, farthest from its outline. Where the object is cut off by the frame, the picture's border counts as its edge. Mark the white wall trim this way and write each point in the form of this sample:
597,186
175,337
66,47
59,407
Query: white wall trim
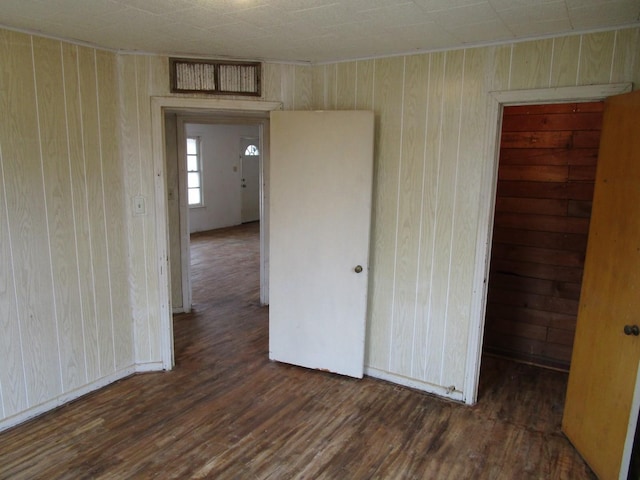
414,383
149,367
496,102
66,397
195,105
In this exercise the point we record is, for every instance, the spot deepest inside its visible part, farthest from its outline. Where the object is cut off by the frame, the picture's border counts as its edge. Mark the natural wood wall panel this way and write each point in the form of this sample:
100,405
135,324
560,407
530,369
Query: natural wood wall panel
564,67
24,187
445,213
74,116
463,239
416,74
102,347
61,229
364,84
138,288
271,86
151,77
540,234
331,86
497,67
428,220
13,396
113,181
388,108
346,89
531,64
317,87
303,87
12,379
596,57
626,57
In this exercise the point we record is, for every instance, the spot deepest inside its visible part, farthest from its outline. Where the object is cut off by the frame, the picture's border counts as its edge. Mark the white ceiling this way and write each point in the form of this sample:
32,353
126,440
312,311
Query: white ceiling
308,30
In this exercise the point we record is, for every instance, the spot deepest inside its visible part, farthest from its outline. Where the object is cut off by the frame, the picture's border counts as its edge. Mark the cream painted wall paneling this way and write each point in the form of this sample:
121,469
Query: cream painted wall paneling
66,327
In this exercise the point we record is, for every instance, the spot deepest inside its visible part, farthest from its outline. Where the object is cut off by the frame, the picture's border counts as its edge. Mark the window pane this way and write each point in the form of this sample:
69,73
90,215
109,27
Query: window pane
251,150
193,180
192,163
194,196
192,146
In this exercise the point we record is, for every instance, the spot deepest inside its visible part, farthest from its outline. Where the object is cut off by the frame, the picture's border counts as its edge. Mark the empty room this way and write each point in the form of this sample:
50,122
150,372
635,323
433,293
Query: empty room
436,277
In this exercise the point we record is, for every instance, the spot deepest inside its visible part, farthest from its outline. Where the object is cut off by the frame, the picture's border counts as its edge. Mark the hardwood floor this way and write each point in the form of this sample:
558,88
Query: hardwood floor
227,412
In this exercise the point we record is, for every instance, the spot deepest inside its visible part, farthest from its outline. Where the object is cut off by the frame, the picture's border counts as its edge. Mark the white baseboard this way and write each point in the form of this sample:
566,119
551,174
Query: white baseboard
414,383
149,367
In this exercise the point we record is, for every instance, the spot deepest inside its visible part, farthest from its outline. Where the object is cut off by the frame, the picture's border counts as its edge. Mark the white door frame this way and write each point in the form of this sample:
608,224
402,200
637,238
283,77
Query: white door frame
259,112
241,151
488,182
207,118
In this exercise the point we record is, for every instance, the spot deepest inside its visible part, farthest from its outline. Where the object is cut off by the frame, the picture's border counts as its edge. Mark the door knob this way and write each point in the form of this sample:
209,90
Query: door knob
631,330
358,269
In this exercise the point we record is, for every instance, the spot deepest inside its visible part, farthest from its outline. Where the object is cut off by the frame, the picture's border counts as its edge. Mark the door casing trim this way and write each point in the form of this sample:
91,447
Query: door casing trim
496,101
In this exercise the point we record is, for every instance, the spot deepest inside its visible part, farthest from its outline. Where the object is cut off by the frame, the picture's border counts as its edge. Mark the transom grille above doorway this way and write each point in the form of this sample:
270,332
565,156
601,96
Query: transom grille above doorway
216,77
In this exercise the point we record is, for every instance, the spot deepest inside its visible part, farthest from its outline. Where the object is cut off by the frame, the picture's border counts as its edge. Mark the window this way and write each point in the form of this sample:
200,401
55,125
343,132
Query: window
194,172
251,151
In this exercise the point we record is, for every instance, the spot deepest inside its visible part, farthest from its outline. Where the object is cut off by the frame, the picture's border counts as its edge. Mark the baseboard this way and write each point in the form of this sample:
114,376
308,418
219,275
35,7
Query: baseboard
149,367
66,397
416,384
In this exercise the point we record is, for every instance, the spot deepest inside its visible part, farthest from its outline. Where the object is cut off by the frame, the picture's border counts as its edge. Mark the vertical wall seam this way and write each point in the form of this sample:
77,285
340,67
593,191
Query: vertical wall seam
335,87
4,414
355,94
373,87
613,55
553,49
84,337
510,66
104,207
399,184
73,209
435,217
143,219
579,60
293,89
421,224
453,217
13,275
86,193
46,214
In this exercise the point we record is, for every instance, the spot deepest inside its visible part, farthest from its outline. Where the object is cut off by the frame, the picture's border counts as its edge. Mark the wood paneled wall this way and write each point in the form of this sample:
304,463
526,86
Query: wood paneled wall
64,307
431,115
79,293
546,175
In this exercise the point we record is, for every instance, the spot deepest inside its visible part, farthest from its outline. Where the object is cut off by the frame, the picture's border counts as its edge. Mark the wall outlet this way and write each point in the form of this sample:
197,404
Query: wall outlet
139,207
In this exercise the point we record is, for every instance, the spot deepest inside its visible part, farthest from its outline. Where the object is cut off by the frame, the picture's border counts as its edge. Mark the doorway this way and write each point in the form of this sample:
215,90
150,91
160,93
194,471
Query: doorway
258,112
546,175
218,181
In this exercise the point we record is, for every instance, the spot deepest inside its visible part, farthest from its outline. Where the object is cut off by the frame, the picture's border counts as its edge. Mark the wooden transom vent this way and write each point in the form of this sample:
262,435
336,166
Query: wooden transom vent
215,77
546,174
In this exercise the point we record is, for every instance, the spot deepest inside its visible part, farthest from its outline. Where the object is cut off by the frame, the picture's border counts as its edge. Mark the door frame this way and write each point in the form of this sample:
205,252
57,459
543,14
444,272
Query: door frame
497,100
257,110
241,151
207,118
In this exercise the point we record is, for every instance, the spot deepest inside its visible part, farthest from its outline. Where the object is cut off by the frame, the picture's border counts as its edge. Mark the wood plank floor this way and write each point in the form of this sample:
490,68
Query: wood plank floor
227,412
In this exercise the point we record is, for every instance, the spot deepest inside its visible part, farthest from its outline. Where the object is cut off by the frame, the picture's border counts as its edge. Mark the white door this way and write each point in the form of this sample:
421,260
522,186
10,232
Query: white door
321,180
250,170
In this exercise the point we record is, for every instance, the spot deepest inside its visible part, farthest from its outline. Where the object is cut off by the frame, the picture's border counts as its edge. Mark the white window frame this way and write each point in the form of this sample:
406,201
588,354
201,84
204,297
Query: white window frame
198,156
